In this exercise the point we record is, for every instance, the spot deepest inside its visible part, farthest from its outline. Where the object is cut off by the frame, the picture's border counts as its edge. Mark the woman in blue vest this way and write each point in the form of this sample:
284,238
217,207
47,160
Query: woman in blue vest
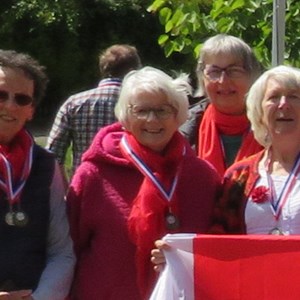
36,257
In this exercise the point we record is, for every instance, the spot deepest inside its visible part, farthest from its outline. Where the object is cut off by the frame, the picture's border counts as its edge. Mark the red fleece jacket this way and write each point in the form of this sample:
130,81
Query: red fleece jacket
99,202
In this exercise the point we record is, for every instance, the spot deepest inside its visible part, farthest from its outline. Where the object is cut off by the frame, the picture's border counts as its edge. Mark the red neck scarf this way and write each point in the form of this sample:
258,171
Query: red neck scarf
215,123
17,154
146,222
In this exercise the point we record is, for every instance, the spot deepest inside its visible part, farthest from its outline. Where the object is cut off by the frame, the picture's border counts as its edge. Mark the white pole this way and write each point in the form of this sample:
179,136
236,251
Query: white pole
278,32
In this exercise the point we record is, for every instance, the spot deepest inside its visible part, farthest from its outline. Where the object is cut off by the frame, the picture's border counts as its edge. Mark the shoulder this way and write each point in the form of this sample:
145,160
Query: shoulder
249,163
198,167
199,107
80,98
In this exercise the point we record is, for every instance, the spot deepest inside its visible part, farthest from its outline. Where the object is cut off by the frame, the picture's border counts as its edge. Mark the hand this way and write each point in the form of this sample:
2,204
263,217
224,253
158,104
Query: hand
16,295
157,255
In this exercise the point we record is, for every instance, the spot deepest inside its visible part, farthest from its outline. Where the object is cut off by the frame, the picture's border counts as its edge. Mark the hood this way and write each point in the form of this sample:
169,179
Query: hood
105,146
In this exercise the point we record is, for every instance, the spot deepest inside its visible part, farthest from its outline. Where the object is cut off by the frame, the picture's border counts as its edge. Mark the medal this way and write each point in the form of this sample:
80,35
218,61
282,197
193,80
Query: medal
9,218
172,222
276,231
13,190
20,218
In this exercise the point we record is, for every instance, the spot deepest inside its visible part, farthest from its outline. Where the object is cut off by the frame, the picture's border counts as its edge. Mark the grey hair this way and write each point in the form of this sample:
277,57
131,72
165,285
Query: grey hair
228,45
155,81
287,76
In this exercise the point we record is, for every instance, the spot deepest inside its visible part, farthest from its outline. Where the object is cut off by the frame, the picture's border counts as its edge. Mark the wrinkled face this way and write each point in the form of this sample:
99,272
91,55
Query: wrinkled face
151,120
16,92
226,83
281,110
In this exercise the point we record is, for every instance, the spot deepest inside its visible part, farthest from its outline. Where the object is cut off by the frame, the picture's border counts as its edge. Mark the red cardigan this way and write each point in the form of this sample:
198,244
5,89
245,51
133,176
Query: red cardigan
239,180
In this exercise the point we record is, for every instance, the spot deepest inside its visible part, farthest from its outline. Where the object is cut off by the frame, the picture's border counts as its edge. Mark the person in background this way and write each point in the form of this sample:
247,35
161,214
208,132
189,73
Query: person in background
83,114
36,254
261,193
138,180
218,127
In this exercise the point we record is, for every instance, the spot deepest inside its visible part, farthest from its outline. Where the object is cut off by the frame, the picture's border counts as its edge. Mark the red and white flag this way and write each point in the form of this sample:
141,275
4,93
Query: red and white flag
230,267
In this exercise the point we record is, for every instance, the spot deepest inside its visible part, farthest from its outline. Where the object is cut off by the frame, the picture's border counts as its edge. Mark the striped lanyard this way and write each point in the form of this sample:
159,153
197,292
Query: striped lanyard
13,190
277,203
144,169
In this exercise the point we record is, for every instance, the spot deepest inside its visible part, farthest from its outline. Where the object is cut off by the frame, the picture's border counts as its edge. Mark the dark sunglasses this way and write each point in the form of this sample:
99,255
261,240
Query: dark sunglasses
20,99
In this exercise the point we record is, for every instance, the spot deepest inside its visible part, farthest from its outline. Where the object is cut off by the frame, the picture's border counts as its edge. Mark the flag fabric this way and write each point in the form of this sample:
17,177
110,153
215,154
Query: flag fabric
230,267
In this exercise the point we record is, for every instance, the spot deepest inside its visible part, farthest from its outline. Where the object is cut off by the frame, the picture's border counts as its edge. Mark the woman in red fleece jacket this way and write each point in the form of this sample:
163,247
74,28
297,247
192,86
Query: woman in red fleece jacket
138,181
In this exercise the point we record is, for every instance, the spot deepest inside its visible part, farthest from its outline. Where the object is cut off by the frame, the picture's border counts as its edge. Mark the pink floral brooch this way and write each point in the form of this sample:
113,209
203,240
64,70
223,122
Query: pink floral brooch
260,194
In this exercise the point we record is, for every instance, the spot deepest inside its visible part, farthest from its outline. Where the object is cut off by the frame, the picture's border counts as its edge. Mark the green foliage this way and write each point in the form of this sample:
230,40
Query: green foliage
188,23
43,12
67,36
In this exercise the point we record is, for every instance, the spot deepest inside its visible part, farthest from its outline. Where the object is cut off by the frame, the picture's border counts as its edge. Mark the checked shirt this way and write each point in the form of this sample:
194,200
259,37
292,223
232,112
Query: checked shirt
80,117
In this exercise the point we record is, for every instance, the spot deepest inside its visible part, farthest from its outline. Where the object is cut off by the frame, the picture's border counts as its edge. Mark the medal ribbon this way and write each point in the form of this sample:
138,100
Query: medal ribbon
147,172
277,204
13,192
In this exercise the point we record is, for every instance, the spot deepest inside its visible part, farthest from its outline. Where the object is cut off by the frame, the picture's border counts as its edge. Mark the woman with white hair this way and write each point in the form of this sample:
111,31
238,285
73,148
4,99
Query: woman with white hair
139,180
262,192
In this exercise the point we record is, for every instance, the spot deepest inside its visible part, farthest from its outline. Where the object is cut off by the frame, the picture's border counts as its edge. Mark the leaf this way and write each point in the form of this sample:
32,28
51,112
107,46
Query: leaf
162,39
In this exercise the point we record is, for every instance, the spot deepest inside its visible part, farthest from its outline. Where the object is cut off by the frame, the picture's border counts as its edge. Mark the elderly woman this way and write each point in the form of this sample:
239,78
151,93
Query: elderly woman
262,192
218,126
36,256
138,181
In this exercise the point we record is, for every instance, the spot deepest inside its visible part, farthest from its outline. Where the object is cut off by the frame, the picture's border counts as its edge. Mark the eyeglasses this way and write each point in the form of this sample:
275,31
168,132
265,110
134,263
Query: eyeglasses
20,99
213,73
142,112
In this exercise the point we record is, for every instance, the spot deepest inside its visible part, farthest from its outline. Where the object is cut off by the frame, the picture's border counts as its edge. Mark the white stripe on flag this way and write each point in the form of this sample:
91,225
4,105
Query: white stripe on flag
177,279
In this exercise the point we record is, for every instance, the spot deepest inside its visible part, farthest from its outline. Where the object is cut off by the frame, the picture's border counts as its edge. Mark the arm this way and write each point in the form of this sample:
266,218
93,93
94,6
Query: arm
57,276
60,135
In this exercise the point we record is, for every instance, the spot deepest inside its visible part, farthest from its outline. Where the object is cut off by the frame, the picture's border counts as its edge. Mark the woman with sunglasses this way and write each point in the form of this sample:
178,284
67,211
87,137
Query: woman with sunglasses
218,126
139,180
36,256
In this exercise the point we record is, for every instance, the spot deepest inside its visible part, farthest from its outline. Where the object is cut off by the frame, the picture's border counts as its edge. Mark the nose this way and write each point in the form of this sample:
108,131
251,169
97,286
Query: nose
282,102
151,116
222,77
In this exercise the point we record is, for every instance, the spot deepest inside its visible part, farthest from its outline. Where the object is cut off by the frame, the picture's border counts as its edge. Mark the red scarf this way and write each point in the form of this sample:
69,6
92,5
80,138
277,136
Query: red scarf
215,123
146,222
16,153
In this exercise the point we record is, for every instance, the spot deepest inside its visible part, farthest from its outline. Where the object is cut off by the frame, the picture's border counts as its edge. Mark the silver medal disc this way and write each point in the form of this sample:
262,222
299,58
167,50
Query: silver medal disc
20,218
172,221
276,231
9,218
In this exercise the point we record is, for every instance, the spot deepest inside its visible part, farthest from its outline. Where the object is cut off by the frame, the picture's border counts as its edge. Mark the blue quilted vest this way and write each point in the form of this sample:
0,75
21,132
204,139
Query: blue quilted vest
23,249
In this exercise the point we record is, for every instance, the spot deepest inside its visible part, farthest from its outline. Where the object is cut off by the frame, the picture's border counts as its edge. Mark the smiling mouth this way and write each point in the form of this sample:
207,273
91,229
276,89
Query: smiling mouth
226,92
153,131
284,120
6,118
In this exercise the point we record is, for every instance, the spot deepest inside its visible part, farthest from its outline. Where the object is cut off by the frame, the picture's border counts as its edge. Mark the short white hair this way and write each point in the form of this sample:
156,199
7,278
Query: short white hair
288,77
149,79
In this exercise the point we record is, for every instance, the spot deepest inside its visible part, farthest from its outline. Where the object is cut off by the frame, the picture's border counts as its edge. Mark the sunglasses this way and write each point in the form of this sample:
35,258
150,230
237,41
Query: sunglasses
20,99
